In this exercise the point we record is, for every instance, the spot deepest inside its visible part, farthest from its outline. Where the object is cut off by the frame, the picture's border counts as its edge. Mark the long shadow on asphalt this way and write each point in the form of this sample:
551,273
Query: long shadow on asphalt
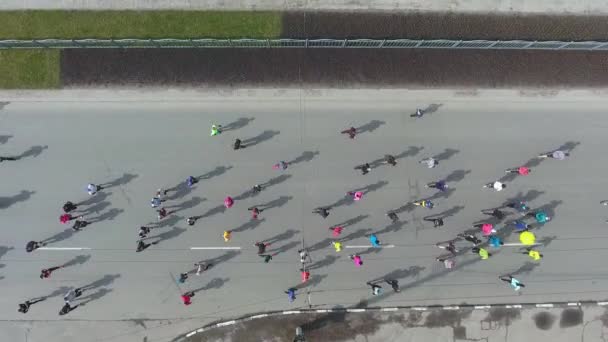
23,196
238,124
249,225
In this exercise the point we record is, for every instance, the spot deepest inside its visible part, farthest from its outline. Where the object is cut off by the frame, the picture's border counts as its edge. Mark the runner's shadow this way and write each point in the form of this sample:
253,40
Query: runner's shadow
222,258
59,292
240,123
98,207
546,241
276,180
355,235
372,187
285,247
191,203
277,203
122,180
328,260
65,234
5,249
180,190
105,281
249,225
432,108
528,197
288,234
313,281
412,271
23,196
108,215
266,135
33,151
442,194
550,207
99,197
410,152
94,296
393,227
370,126
352,221
220,209
168,222
174,232
306,156
446,154
526,268
215,283
456,176
450,212
79,260
218,171
326,243
4,138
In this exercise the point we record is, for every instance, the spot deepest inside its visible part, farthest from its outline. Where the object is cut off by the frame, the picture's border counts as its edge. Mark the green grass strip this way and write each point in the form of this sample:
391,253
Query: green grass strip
138,24
29,69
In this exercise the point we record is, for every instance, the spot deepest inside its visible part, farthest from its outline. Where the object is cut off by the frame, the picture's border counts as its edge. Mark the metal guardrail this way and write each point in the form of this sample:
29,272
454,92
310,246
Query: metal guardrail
302,43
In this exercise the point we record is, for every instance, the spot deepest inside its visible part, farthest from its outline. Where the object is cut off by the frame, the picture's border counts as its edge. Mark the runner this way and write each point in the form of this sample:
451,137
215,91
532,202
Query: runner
498,186
439,185
429,162
516,284
522,170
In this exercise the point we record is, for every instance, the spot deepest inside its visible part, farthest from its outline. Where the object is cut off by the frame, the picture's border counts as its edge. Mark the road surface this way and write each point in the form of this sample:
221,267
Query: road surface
156,139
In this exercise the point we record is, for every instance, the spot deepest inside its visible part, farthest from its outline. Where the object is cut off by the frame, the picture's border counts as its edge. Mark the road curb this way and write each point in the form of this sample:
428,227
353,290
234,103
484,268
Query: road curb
247,318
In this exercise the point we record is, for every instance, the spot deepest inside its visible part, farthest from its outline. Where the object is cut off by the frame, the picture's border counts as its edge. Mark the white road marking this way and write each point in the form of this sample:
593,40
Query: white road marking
197,248
383,246
520,244
64,248
225,324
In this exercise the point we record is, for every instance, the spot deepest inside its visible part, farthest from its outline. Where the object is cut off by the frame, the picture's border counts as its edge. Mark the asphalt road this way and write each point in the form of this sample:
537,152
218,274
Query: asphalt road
140,146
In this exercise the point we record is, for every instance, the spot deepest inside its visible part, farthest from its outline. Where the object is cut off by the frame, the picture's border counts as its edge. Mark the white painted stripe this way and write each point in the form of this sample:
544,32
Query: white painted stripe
200,330
477,307
516,244
291,312
355,310
389,309
544,305
419,308
258,316
190,334
451,308
323,311
602,303
516,306
369,246
225,247
574,304
223,324
63,248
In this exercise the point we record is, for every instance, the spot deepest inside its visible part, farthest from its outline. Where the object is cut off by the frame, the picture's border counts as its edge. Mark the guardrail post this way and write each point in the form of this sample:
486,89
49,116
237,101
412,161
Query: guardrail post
382,44
456,43
306,44
344,43
419,43
268,43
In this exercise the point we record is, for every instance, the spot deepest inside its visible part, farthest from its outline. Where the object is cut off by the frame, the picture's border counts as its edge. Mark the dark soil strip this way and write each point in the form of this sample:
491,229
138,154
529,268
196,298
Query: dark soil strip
333,68
443,25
